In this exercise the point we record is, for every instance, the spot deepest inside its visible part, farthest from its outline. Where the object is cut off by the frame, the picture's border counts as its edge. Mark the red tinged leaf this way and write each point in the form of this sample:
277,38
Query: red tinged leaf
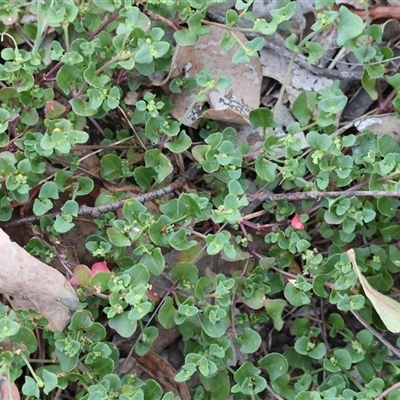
99,267
81,276
153,296
296,223
82,273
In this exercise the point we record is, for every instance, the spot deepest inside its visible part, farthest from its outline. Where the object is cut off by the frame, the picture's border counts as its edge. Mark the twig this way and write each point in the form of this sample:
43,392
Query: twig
392,348
315,195
277,44
97,211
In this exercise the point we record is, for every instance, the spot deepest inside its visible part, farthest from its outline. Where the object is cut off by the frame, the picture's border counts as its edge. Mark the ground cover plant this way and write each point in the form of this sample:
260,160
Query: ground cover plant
270,267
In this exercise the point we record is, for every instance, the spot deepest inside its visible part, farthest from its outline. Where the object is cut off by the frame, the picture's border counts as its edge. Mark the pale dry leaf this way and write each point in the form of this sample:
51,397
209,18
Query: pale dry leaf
31,284
380,125
232,104
387,308
275,66
358,4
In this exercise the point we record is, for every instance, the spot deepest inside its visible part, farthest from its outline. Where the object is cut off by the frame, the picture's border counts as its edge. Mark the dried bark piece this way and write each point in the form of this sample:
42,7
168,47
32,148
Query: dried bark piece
32,284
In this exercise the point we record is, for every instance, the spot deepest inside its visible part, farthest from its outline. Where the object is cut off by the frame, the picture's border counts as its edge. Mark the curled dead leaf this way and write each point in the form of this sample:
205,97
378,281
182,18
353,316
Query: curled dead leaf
387,308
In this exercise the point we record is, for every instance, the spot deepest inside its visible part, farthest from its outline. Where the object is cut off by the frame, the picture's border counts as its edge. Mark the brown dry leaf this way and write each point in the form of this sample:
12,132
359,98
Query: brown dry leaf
232,104
160,370
31,284
275,66
387,308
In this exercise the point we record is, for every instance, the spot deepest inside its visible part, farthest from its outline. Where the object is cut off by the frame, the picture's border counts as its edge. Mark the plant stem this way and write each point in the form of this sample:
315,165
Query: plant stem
284,84
28,364
41,26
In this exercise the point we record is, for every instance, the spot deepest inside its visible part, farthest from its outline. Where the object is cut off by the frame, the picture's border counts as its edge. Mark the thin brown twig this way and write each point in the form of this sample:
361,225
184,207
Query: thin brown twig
97,211
315,195
392,348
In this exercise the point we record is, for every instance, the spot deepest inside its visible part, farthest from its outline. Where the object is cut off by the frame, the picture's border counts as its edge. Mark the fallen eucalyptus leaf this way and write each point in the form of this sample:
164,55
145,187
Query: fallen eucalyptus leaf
31,284
387,308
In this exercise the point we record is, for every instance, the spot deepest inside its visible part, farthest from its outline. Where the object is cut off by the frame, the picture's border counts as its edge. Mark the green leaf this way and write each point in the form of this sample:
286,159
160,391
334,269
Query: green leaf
67,363
117,238
144,56
63,223
30,387
154,261
275,308
240,57
166,315
262,117
144,176
185,37
100,281
295,296
110,167
350,26
49,191
387,144
249,341
216,243
107,5
218,386
82,108
160,163
24,337
232,17
86,185
41,207
181,144
275,364
285,13
302,110
213,329
66,76
94,80
70,207
248,380
195,24
114,97
179,240
139,275
185,271
369,84
123,325
388,206
50,381
315,51
265,169
30,117
364,54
